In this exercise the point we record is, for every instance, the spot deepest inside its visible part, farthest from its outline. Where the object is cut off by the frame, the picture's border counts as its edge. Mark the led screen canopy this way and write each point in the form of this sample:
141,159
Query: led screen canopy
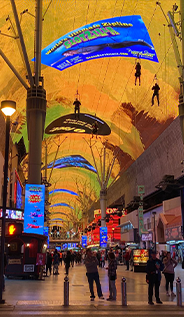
72,161
61,204
115,37
62,190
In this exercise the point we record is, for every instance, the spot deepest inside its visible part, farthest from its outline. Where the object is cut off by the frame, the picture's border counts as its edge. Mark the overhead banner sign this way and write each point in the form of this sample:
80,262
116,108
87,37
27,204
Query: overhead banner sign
70,124
34,208
103,237
125,36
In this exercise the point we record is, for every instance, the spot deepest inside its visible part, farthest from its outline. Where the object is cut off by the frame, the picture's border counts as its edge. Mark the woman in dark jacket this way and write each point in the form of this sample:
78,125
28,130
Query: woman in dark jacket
112,276
67,261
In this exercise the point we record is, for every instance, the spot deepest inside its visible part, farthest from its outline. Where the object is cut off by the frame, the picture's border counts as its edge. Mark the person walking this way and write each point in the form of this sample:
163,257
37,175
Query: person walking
169,266
48,263
67,261
72,259
91,263
153,269
102,259
56,263
61,258
112,267
127,259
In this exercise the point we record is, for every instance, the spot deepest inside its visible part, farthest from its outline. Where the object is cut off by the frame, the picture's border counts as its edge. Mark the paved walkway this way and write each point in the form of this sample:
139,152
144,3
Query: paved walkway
25,297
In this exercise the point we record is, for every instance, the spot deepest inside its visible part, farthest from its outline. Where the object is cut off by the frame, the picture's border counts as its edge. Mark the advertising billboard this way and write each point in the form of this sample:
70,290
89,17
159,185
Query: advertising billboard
84,241
124,36
140,256
103,237
34,208
13,214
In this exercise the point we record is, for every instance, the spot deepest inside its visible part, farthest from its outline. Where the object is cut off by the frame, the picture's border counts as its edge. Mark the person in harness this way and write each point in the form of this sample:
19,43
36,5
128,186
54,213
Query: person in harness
138,73
95,129
155,89
77,107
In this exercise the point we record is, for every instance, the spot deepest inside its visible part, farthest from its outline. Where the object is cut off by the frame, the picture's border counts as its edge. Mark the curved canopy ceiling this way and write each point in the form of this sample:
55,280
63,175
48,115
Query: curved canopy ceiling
106,89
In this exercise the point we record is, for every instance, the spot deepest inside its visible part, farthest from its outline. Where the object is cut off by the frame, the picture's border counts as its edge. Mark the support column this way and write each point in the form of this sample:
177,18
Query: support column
36,112
181,96
36,107
103,206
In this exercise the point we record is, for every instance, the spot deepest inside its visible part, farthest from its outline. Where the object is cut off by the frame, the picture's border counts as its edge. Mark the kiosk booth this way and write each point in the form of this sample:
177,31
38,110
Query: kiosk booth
23,251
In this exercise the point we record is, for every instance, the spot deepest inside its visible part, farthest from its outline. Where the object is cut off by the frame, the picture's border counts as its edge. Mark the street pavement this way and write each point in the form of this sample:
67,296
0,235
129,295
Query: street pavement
45,298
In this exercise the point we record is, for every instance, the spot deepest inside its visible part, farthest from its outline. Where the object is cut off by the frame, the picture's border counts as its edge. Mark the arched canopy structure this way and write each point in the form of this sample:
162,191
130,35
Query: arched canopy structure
105,87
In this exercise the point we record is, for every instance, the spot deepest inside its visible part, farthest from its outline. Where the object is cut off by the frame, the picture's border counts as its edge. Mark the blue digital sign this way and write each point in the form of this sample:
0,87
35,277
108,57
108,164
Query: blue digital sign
19,195
103,237
124,36
34,208
84,241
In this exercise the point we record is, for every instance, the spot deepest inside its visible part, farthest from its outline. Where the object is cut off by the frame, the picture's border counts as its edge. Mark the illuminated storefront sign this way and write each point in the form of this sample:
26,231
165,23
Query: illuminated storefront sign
84,241
69,246
34,208
124,36
147,236
103,237
70,124
140,256
13,214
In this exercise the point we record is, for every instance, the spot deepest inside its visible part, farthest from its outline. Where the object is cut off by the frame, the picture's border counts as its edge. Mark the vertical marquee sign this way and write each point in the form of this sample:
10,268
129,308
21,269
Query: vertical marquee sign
84,241
141,192
103,237
34,208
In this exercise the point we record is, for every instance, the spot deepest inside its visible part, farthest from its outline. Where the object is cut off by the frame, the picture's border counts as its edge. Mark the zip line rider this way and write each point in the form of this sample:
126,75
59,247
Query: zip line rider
138,73
95,128
77,107
155,89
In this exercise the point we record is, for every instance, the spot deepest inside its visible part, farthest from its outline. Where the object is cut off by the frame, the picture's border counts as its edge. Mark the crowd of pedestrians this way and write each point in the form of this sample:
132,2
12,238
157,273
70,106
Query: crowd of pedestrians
157,267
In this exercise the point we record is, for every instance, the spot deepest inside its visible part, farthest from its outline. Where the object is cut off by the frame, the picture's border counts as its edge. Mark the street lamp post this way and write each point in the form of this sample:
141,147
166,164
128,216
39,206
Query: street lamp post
8,107
154,213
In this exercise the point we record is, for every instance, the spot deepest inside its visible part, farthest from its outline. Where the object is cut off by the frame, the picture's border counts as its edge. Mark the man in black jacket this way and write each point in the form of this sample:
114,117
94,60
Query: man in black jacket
153,269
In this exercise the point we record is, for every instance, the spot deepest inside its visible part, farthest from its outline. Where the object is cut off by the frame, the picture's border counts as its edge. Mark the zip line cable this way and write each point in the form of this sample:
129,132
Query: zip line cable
101,69
86,63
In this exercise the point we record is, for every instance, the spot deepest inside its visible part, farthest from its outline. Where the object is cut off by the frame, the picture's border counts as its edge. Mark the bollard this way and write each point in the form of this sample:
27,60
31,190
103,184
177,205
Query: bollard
123,292
178,292
66,291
